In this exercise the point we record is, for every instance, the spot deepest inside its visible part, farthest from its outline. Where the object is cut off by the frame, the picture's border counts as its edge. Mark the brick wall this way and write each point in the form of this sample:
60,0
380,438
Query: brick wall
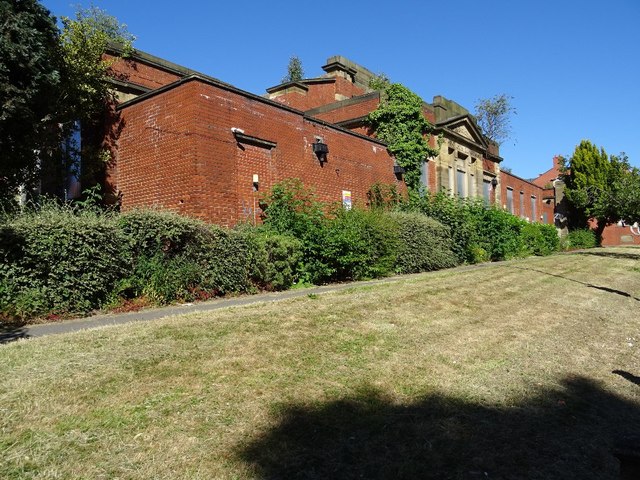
319,92
617,234
140,73
156,155
525,190
178,151
348,110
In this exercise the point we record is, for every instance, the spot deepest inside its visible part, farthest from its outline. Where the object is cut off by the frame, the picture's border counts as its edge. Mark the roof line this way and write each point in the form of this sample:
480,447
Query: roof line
523,179
225,86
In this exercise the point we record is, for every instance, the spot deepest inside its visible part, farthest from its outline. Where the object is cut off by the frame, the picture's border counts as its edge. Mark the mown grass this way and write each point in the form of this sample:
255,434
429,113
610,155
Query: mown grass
497,372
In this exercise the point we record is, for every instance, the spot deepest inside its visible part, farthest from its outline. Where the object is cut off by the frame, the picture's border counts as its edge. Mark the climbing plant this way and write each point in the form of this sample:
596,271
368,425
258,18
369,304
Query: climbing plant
400,122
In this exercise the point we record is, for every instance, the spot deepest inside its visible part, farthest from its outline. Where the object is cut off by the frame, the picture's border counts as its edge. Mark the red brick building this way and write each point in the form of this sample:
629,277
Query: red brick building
201,147
193,144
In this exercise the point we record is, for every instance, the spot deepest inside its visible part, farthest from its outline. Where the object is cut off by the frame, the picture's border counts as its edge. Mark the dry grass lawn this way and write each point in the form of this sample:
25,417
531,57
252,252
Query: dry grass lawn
502,372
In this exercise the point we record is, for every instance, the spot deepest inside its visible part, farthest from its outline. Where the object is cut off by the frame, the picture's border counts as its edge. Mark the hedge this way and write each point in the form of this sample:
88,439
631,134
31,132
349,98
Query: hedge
57,260
425,244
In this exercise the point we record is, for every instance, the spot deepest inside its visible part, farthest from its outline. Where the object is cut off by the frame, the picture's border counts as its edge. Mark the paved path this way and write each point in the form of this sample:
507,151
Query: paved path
31,331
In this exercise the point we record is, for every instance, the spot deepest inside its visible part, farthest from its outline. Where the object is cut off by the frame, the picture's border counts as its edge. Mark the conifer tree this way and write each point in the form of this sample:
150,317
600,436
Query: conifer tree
295,72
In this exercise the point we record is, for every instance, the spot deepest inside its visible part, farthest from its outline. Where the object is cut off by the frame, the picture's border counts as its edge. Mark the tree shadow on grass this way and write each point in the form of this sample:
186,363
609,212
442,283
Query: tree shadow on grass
564,433
12,332
607,254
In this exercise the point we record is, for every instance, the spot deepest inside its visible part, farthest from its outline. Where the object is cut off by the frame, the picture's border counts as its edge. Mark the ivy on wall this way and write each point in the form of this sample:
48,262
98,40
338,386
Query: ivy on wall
400,123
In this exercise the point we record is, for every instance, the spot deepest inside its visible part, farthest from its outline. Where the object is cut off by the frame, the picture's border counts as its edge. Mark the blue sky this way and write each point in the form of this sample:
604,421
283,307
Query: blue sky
573,67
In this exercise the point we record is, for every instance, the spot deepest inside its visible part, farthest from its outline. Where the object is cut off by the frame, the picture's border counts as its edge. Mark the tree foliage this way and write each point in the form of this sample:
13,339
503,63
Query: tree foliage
295,72
30,85
625,188
49,81
399,121
601,187
83,42
494,117
379,82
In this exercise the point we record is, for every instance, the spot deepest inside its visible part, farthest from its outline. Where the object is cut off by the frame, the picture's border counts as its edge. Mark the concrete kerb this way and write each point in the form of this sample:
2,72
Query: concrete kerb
102,320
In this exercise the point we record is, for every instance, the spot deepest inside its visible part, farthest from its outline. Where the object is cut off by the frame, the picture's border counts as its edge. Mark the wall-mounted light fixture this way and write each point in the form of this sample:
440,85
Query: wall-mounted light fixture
398,171
321,150
494,182
256,182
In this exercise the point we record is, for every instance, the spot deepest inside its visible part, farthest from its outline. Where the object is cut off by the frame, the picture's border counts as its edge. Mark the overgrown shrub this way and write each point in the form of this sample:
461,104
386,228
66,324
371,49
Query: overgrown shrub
461,216
425,244
353,245
275,258
292,209
57,260
540,239
581,238
181,258
500,234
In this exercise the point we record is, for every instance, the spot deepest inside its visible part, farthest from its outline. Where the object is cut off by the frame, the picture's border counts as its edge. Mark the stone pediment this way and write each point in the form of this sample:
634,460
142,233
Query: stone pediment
463,127
464,131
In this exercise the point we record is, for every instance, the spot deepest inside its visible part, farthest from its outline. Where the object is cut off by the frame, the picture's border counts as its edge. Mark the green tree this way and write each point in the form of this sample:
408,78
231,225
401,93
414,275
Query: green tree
625,189
88,92
399,121
295,72
30,88
590,177
494,117
49,81
83,42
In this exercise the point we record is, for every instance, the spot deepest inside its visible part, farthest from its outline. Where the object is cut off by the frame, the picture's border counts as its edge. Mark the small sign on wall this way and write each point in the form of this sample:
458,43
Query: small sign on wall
346,199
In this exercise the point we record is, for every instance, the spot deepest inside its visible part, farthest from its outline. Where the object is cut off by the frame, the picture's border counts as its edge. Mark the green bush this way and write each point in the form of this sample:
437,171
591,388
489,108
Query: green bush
500,234
181,258
462,218
425,244
58,260
540,239
292,209
275,258
353,245
581,238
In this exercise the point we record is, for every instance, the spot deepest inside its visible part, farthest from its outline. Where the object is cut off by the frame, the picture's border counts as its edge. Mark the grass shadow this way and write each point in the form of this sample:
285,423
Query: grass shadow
569,432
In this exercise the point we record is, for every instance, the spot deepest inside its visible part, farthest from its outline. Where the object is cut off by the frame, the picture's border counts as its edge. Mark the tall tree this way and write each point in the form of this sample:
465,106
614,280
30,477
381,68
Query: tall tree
49,80
596,186
295,72
494,117
30,86
625,189
84,40
83,43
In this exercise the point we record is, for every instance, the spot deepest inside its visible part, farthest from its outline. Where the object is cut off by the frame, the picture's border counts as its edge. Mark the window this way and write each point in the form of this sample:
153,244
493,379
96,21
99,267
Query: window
424,174
510,200
533,208
460,181
72,146
450,180
486,192
522,205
